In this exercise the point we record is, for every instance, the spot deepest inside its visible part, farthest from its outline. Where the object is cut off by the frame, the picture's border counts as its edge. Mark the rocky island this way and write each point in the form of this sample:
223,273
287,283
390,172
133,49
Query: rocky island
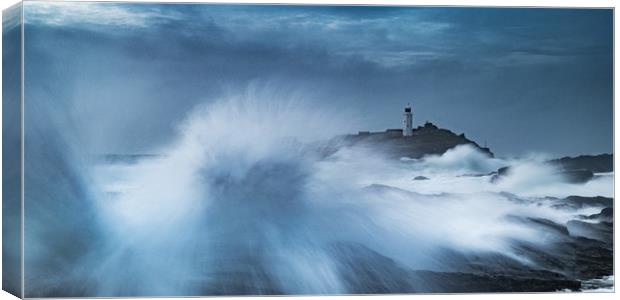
424,140
410,142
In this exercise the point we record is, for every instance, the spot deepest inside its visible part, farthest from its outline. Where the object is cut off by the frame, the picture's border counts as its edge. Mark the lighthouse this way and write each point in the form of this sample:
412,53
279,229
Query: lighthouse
407,121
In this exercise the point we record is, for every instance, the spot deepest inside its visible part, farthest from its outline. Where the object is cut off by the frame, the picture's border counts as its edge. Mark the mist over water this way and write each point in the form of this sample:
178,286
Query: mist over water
249,198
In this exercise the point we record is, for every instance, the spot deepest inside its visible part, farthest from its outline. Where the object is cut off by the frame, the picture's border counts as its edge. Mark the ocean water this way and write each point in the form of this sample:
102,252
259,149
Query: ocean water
258,208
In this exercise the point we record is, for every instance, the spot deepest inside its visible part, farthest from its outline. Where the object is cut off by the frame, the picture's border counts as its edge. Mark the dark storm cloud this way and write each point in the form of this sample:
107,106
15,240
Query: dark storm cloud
522,79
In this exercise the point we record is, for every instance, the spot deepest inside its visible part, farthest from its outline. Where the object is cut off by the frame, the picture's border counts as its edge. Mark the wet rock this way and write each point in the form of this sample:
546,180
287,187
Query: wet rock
499,174
365,271
594,163
570,176
576,202
602,231
593,258
606,215
476,283
540,224
577,176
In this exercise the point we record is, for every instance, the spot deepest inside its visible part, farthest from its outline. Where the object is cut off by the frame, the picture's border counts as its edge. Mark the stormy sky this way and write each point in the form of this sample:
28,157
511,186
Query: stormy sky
523,80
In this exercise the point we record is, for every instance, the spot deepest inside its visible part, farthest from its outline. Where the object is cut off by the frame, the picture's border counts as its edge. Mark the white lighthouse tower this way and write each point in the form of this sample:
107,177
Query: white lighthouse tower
408,121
